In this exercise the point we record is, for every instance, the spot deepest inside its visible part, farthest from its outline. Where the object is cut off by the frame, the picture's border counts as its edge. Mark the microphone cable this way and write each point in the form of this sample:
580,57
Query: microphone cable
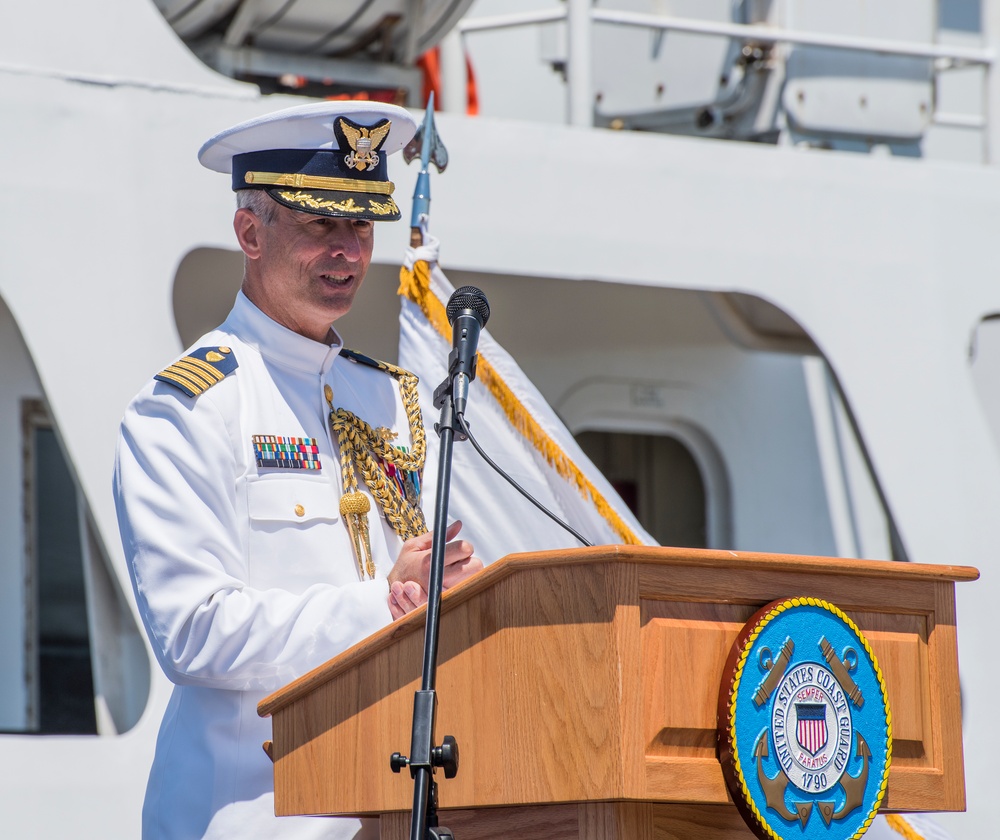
475,444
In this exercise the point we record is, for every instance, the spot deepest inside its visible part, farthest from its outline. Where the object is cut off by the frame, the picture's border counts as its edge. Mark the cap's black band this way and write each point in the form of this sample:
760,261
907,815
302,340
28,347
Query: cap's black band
323,163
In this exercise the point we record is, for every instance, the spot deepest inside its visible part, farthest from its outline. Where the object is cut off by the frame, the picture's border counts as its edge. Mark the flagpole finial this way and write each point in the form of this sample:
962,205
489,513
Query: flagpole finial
428,126
431,149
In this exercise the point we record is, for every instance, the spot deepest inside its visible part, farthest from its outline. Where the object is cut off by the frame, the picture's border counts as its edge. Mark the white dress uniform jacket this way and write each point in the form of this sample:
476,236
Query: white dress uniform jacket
244,575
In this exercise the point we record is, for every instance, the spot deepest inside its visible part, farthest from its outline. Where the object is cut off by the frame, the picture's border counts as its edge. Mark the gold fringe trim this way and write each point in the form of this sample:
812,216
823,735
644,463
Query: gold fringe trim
901,826
415,286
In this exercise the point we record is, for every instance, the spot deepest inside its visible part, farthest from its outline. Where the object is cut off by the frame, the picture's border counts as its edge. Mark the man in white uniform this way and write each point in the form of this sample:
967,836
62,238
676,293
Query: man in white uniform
267,483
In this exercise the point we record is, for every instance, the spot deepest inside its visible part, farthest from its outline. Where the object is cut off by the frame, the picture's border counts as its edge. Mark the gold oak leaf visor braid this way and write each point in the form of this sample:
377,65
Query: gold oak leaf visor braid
368,453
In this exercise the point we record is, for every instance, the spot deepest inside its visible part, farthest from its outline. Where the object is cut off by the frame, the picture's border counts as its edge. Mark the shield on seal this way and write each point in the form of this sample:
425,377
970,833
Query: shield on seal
810,730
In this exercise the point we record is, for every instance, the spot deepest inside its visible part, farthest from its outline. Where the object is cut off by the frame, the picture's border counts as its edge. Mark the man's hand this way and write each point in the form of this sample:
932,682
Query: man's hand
409,578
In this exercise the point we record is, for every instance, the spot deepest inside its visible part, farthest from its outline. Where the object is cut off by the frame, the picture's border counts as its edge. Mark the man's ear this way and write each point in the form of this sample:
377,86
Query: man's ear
247,227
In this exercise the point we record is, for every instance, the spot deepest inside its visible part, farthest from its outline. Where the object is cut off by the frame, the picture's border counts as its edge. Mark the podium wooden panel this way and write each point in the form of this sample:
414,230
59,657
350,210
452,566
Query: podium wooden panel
582,688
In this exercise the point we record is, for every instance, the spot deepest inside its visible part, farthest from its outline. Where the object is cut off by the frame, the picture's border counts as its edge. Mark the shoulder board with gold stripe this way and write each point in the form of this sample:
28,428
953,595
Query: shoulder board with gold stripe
361,359
199,370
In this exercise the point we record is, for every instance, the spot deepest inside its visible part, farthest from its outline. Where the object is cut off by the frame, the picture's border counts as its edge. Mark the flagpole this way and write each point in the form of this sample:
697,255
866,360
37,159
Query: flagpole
422,190
424,756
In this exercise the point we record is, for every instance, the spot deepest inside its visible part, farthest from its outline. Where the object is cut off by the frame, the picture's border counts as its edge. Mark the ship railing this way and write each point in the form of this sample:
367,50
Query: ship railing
579,16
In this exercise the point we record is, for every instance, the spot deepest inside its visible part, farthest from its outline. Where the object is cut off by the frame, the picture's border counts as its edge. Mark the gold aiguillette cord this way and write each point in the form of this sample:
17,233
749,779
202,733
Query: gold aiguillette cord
358,443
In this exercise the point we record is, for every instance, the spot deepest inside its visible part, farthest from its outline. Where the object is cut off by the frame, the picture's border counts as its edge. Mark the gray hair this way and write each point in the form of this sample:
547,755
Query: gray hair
260,204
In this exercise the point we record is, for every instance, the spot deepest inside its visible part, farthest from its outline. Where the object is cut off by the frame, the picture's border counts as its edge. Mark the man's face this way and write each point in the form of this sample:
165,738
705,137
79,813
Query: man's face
304,270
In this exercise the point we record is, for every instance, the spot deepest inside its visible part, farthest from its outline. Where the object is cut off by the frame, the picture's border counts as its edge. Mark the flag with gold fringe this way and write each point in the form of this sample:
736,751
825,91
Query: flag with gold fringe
518,429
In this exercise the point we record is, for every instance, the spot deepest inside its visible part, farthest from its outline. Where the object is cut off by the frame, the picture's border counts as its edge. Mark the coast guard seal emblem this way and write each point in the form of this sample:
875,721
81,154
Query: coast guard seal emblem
805,732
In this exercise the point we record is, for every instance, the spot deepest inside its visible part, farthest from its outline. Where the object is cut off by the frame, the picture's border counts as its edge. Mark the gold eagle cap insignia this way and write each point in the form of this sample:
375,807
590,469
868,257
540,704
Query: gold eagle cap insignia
364,143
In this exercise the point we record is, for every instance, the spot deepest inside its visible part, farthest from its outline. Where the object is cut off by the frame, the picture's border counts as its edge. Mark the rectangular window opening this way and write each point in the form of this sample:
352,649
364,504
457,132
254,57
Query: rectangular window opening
59,669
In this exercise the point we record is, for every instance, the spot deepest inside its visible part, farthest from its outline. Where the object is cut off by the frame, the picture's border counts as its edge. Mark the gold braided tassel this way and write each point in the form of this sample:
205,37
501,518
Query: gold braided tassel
354,508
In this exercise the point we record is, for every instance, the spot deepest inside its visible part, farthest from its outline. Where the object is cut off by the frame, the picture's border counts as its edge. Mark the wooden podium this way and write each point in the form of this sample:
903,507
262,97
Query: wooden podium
582,687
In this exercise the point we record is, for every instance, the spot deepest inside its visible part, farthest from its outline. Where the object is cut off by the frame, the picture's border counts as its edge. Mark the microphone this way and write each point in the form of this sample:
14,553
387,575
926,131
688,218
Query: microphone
468,312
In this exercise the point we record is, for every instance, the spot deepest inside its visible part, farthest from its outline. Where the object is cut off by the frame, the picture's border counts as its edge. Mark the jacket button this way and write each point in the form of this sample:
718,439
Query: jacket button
300,511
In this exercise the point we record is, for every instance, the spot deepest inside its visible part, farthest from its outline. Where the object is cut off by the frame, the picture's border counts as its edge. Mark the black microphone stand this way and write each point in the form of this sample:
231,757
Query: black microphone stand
424,757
